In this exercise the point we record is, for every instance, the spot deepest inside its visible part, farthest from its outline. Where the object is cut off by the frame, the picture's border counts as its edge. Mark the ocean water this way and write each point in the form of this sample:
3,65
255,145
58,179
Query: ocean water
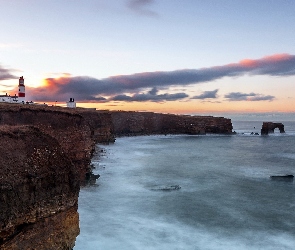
226,199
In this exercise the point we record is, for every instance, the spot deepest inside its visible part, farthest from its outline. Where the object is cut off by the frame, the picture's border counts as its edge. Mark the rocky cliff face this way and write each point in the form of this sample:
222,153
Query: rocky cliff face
76,130
45,155
140,123
55,232
37,180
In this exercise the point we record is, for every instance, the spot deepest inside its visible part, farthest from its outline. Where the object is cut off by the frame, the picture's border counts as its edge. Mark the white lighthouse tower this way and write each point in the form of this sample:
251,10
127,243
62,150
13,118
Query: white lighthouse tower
21,90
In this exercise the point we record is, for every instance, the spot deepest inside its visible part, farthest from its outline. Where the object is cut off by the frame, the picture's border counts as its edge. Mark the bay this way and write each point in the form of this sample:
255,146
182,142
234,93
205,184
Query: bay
226,198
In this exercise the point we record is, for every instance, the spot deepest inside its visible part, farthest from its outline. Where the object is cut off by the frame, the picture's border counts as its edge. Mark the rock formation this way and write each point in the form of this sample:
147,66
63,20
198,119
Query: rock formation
287,177
143,123
269,127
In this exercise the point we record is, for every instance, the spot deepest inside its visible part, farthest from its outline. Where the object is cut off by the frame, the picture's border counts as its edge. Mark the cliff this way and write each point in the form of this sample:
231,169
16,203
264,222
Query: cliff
76,130
142,123
37,180
45,155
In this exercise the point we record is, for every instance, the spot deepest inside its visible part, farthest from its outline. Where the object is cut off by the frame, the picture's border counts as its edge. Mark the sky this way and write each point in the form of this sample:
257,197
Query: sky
169,56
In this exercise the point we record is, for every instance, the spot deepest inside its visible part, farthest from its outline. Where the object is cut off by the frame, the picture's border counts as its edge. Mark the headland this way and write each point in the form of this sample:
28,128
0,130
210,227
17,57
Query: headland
45,155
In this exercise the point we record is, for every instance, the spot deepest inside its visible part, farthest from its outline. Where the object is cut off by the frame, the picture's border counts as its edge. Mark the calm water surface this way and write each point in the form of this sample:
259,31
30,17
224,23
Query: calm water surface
226,200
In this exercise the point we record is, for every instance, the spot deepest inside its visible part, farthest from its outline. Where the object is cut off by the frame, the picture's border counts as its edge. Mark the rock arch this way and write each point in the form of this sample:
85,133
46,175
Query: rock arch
269,127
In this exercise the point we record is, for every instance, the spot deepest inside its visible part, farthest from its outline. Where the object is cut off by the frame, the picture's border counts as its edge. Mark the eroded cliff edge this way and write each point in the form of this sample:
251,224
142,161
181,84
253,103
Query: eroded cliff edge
45,155
76,130
148,123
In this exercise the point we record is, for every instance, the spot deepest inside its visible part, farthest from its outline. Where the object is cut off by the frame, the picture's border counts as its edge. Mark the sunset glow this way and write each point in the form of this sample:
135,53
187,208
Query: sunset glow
152,56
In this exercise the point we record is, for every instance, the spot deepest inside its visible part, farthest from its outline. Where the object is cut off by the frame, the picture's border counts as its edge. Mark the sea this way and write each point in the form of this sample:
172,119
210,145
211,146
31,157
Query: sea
192,192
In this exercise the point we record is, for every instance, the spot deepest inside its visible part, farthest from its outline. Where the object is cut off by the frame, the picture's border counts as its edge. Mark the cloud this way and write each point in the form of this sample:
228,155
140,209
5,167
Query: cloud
238,96
261,98
122,98
91,89
153,91
5,74
150,96
139,7
147,97
207,95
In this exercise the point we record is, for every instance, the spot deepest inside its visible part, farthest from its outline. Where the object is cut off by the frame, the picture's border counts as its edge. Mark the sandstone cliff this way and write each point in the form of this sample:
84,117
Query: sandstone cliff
45,155
76,130
141,123
37,180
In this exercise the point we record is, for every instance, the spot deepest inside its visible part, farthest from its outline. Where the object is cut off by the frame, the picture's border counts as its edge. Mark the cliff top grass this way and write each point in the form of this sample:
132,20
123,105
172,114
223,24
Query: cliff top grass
43,107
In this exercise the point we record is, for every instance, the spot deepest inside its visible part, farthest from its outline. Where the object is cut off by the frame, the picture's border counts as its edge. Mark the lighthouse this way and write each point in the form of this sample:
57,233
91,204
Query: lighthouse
21,90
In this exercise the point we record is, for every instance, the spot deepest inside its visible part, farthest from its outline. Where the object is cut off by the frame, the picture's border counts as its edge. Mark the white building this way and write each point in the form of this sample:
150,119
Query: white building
71,103
21,98
5,98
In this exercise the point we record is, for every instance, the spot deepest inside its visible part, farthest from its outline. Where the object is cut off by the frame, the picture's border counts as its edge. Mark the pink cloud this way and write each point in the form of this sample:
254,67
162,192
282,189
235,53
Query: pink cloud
91,89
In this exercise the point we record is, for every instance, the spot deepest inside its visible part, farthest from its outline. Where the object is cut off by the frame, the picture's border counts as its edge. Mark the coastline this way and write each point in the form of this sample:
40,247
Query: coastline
44,147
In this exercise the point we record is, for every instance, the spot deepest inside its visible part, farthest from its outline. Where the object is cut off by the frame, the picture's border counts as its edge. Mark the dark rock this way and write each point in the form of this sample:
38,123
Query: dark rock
288,177
166,188
269,127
